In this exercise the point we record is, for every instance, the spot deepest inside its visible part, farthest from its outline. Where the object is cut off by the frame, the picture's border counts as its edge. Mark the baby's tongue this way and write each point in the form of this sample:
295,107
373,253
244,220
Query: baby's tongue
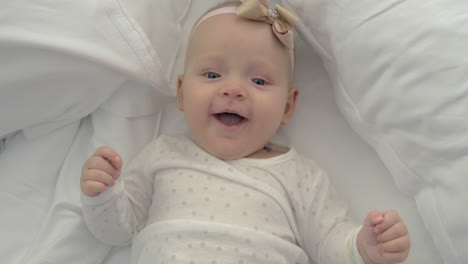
230,119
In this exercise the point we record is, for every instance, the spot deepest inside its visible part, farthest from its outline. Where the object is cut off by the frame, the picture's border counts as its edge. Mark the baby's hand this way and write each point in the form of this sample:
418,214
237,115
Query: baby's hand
100,171
383,239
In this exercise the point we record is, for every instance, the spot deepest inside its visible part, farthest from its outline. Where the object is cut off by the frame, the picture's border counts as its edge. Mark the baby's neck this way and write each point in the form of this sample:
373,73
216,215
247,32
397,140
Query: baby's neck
268,151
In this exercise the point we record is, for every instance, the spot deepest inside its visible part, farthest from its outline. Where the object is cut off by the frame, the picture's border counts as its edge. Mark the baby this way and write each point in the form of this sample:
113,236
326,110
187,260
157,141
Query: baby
227,194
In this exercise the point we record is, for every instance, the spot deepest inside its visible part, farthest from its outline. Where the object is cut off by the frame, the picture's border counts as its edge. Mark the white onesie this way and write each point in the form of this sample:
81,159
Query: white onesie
179,204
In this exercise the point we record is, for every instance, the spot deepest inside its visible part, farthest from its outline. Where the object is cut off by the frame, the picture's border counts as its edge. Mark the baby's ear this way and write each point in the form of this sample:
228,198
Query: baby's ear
180,101
290,105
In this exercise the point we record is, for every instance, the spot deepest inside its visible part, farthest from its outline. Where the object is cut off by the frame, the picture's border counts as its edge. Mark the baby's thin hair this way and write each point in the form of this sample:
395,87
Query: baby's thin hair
220,5
224,4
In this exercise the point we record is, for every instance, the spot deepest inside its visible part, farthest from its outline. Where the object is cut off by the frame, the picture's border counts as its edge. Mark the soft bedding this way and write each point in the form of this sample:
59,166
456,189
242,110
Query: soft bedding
381,110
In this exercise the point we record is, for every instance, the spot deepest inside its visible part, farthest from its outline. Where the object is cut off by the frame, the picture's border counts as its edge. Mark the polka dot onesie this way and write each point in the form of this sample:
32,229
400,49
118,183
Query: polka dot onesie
179,204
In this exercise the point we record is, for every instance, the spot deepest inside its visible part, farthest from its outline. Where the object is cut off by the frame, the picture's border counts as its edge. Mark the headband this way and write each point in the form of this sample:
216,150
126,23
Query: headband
281,19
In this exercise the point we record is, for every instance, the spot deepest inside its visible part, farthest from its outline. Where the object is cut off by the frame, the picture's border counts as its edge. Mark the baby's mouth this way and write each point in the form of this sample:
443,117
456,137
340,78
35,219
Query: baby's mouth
230,119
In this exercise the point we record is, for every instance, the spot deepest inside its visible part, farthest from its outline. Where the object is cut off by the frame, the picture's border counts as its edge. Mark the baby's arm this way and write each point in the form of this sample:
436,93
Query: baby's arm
329,236
100,203
383,238
114,208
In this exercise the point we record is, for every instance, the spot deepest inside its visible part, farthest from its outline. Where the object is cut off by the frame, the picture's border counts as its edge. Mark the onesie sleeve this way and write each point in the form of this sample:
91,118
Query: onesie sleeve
328,235
117,215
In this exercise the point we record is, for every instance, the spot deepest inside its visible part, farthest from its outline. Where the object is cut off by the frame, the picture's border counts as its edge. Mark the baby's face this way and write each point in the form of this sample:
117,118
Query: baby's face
235,89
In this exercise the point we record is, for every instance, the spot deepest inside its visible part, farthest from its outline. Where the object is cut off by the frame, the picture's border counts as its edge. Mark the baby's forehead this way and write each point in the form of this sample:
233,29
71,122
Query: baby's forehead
231,25
243,33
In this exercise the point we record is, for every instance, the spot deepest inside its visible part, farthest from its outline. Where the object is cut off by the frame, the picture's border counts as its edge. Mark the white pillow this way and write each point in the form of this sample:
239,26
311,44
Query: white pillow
399,70
167,25
60,60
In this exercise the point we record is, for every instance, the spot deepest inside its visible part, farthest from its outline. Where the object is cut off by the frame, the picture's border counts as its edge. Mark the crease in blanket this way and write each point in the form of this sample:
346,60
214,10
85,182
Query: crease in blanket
153,50
127,29
2,144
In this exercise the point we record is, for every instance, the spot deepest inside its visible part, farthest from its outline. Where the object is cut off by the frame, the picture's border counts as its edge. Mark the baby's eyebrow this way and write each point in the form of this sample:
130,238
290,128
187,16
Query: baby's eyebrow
209,58
263,65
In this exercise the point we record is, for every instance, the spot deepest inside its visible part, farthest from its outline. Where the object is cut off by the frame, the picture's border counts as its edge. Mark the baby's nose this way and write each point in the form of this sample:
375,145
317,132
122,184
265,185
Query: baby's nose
234,89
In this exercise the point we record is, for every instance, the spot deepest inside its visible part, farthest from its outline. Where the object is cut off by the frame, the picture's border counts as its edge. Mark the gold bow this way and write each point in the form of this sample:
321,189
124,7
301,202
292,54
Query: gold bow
282,20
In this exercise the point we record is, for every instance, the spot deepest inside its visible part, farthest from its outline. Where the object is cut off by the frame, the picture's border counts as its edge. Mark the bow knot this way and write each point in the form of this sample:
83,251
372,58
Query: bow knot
272,14
282,20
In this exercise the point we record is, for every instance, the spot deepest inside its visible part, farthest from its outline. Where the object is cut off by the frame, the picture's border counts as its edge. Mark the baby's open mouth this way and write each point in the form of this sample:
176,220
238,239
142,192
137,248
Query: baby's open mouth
230,119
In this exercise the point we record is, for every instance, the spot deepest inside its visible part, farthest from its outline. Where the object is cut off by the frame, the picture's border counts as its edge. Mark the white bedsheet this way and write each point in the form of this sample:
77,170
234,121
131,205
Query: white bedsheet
39,173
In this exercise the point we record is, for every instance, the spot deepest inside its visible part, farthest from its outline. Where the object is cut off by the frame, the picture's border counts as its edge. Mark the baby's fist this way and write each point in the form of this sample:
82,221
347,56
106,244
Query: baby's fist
100,171
383,239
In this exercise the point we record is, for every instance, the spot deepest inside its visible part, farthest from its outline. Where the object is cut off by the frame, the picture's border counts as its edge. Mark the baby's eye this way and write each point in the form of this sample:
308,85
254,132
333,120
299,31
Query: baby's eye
259,81
212,75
